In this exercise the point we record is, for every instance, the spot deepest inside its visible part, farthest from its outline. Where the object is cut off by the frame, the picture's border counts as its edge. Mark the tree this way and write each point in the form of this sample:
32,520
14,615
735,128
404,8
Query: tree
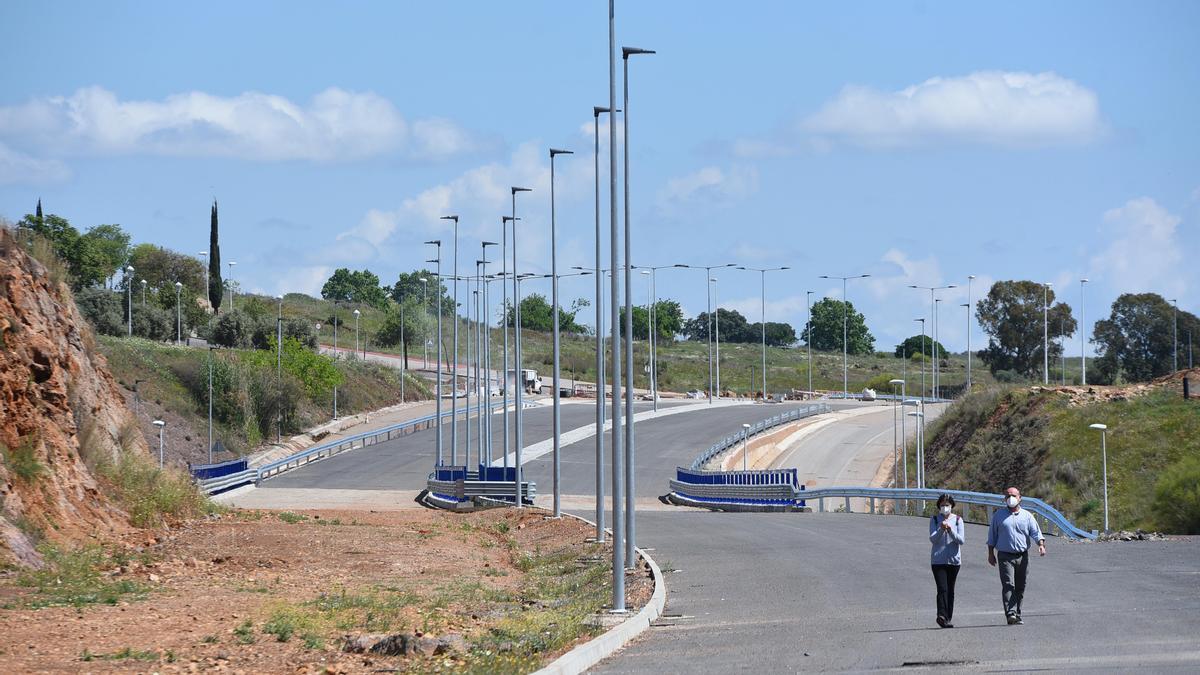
536,314
216,288
825,329
1011,315
232,329
358,286
732,326
408,285
91,257
102,308
1136,340
778,334
407,320
920,344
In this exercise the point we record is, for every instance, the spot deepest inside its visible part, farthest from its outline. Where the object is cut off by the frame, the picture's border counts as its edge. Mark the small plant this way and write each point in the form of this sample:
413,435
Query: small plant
282,625
74,578
209,639
501,527
292,518
244,632
22,460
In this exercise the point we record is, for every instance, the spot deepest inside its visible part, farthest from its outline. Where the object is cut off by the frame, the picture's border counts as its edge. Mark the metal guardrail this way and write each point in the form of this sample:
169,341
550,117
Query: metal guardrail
755,429
212,486
327,450
465,488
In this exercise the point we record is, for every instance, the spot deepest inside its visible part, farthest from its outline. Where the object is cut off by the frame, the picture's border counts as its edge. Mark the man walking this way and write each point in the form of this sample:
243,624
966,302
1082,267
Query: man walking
1010,534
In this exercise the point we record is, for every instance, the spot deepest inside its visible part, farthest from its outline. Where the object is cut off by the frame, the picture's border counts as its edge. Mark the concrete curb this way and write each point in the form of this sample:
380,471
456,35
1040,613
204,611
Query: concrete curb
597,649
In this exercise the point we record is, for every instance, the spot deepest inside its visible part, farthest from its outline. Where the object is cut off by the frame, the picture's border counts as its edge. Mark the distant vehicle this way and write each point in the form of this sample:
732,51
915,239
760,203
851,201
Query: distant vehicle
530,382
868,394
695,393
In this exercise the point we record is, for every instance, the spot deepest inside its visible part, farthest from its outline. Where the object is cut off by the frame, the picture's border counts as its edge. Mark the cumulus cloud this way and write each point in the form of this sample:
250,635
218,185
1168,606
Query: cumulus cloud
709,186
336,125
1144,253
16,167
994,107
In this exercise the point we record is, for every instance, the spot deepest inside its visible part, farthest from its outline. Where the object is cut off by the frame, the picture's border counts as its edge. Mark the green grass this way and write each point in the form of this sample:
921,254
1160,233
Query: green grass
22,461
292,518
1037,441
75,578
150,495
128,654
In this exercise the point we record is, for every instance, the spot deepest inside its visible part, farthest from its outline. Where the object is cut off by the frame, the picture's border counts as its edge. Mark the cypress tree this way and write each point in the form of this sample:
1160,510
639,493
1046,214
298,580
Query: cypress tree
39,211
216,289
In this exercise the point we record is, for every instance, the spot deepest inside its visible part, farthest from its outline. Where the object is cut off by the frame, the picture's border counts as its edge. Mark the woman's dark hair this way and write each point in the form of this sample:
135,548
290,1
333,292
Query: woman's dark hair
945,498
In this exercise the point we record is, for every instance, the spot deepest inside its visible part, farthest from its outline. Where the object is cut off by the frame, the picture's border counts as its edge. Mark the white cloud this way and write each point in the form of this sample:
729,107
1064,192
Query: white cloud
1144,252
307,280
710,186
16,167
993,107
335,125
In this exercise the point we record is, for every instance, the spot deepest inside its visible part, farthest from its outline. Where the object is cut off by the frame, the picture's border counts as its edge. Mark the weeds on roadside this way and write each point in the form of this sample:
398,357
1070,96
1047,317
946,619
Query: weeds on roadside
74,578
292,518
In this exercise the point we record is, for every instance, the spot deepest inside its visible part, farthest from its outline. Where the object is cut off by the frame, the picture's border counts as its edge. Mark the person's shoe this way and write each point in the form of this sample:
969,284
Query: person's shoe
941,621
1012,619
1019,621
948,625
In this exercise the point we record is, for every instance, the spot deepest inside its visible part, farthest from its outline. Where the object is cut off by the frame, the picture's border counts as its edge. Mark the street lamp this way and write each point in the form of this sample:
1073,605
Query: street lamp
204,257
1083,332
808,339
518,413
630,446
356,342
129,292
438,406
934,332
178,314
845,332
707,275
920,415
717,335
600,534
143,292
895,441
557,353
279,365
1175,336
618,550
1046,333
745,437
922,320
454,350
231,264
425,304
160,424
1103,429
504,220
210,403
970,278
487,352
763,302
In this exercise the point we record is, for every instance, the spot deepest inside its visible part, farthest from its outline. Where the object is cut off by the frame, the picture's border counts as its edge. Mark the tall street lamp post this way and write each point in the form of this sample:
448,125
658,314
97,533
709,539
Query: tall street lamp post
356,342
178,314
923,355
845,332
630,446
1175,336
487,352
210,403
618,521
438,381
336,321
557,353
143,292
600,393
763,303
518,385
1083,331
716,335
425,305
1103,429
920,415
808,339
204,257
231,264
504,221
279,366
896,441
1046,333
454,352
970,278
934,333
129,292
745,438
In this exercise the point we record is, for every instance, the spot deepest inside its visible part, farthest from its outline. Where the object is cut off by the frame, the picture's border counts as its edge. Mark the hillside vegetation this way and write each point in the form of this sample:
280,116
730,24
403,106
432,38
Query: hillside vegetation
1039,440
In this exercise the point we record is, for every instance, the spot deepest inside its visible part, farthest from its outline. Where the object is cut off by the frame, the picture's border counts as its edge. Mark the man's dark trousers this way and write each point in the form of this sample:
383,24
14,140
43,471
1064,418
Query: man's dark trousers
1013,568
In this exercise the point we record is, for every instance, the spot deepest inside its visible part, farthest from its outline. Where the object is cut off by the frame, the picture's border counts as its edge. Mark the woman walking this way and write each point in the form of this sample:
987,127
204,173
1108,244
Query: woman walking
946,534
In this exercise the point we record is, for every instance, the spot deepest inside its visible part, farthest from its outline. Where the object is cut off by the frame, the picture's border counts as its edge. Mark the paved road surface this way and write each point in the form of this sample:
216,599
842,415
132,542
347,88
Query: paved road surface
854,592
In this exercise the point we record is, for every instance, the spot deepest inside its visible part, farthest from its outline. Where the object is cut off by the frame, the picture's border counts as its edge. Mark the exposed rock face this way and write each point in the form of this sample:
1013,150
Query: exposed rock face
58,406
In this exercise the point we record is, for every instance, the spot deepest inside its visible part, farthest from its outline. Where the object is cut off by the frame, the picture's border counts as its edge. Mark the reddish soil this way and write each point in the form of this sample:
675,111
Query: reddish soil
210,577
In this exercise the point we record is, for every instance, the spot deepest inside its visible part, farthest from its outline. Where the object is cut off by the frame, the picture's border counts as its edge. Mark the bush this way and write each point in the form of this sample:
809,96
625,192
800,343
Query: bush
103,309
153,323
22,460
1007,376
232,329
881,383
1177,497
151,495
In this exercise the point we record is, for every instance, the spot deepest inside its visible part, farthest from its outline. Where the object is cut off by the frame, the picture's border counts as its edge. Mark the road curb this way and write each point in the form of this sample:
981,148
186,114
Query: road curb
597,649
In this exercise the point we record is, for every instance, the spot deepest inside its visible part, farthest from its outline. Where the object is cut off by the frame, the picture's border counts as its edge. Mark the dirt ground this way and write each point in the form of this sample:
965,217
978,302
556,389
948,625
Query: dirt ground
217,592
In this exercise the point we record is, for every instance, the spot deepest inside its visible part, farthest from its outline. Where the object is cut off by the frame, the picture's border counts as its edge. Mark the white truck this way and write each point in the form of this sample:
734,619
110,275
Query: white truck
530,381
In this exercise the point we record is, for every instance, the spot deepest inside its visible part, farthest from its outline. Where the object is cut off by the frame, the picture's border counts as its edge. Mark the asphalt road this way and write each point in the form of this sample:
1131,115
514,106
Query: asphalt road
838,592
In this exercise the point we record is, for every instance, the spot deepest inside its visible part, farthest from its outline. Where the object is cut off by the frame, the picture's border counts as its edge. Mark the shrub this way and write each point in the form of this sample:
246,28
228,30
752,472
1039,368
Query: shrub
22,460
73,577
151,495
153,323
1007,376
881,383
1177,497
232,329
103,309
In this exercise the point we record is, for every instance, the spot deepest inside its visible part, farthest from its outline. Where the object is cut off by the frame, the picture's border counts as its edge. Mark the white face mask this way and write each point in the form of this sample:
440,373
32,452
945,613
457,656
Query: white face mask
945,510
1012,501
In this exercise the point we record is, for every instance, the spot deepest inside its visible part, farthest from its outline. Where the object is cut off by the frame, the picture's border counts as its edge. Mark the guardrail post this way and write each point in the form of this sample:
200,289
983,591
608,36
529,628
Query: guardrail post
820,505
848,505
872,506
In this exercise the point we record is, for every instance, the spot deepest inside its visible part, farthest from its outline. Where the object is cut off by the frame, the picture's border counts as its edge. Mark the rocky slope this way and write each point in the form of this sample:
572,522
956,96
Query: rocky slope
59,410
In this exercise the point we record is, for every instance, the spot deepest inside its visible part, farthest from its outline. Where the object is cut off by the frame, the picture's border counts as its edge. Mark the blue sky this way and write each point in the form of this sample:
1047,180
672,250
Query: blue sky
919,142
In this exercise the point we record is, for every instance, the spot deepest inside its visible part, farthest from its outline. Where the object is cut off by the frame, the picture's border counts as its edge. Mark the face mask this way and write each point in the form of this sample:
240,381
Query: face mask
1012,501
945,510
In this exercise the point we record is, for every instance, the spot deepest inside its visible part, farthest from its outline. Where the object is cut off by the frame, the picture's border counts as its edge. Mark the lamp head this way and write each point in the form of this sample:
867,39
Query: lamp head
680,265
143,282
554,152
179,286
129,269
970,276
159,423
423,280
824,276
646,272
488,243
454,218
508,218
515,190
1101,427
356,312
626,52
1083,281
896,381
435,242
745,425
